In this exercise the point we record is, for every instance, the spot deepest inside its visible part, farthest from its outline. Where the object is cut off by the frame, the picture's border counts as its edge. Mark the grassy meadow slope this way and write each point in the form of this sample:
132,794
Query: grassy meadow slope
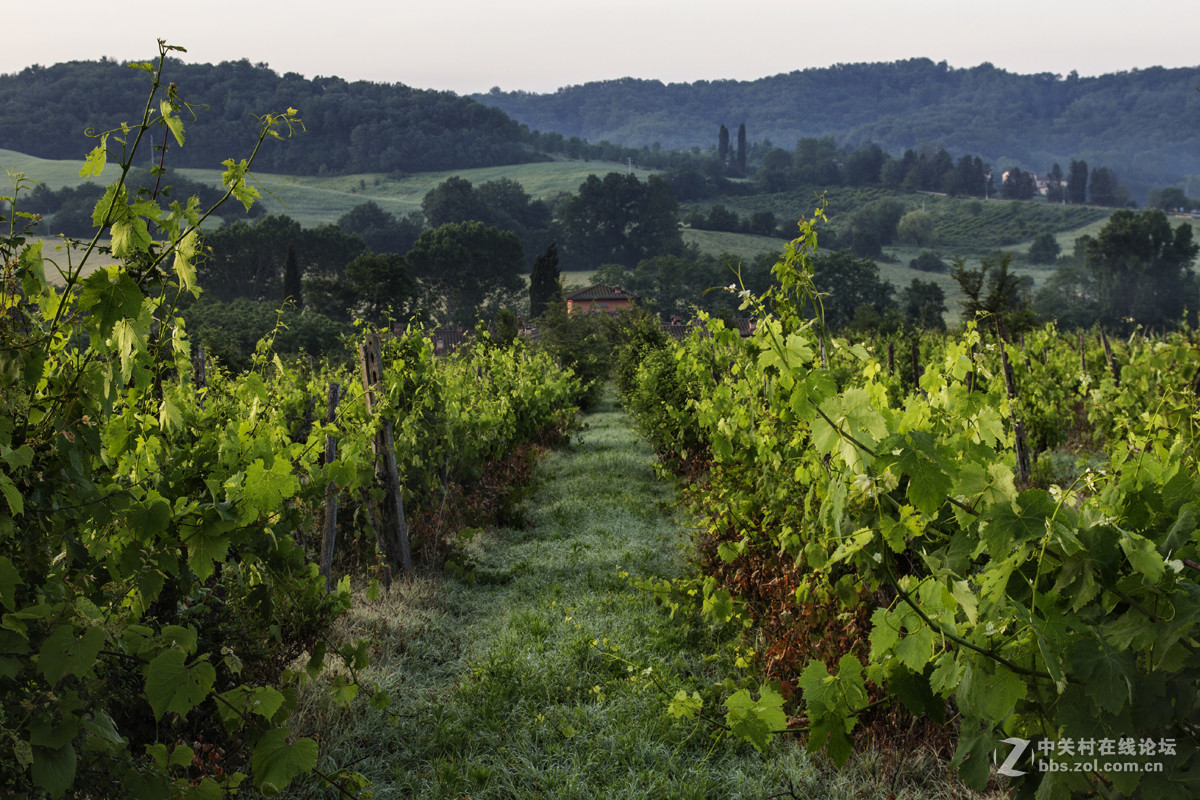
313,201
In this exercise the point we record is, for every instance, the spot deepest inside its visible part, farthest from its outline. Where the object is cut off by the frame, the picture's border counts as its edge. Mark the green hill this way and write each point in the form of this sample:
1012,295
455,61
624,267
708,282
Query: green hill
1144,124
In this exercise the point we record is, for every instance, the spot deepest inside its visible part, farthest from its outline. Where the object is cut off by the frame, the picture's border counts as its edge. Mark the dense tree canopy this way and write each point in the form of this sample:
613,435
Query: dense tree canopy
1136,271
380,231
620,220
847,282
244,260
502,203
1044,248
679,286
923,303
472,268
1142,270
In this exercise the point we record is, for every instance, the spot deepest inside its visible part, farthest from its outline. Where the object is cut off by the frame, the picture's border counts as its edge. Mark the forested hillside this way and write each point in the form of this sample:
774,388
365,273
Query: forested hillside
1145,124
350,127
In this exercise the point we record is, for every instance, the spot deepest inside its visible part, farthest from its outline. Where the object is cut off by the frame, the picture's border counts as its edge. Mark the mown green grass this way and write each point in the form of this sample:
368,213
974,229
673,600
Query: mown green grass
531,672
317,200
55,174
743,245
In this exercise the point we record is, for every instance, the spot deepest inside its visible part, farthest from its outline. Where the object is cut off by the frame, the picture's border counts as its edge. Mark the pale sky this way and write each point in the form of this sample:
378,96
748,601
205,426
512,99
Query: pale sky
540,45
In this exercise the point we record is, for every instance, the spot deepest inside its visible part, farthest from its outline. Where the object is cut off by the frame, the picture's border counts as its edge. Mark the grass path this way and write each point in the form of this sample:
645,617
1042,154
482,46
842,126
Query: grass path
523,676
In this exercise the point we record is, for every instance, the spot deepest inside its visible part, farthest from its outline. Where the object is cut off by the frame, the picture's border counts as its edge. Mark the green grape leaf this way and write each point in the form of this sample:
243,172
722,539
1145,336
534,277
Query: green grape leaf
276,763
10,579
111,205
110,295
19,458
170,419
265,701
206,545
234,180
185,254
172,686
93,165
102,726
265,488
756,721
885,633
683,706
928,483
129,341
167,109
130,235
1106,673
946,675
63,654
1007,528
990,693
974,752
54,770
16,503
32,270
1143,557
718,605
916,648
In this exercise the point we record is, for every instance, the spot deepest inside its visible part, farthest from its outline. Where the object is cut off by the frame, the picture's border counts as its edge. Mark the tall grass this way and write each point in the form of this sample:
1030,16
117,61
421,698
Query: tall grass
534,669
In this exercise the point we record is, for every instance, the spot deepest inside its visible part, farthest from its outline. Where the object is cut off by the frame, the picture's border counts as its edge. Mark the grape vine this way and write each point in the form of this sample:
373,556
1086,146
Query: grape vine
159,594
918,566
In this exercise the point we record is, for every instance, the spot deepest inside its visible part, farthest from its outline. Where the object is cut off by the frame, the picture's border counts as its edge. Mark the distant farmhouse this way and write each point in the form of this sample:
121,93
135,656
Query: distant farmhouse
599,299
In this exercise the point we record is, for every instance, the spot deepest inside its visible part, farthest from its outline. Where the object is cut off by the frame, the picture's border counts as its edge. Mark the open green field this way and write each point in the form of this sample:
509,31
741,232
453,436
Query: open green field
745,245
315,200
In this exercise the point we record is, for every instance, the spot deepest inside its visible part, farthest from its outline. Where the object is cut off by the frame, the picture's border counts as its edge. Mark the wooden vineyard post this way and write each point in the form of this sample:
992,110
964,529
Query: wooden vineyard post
916,365
394,527
891,358
199,374
1108,355
1010,388
329,534
1082,356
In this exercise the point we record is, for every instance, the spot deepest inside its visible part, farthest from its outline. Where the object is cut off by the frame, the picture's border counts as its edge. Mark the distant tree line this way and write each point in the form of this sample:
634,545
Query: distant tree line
348,126
1136,122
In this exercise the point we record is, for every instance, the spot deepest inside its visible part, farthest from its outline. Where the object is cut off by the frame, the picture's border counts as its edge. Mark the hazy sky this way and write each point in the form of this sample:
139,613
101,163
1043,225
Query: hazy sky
539,45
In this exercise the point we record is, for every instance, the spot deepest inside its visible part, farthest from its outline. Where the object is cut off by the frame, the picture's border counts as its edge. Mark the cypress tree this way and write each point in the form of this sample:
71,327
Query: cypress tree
543,282
741,148
291,278
723,144
1077,181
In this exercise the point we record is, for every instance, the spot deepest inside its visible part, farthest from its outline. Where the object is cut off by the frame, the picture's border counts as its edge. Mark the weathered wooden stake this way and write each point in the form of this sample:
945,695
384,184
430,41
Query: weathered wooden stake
1082,356
916,364
329,535
394,527
891,358
1010,388
1112,362
199,374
